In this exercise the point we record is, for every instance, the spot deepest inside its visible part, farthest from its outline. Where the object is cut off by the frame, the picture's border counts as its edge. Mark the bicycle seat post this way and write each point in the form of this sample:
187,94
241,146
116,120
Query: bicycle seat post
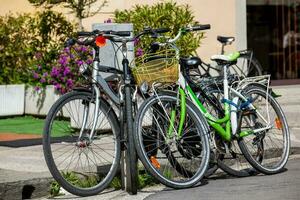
222,49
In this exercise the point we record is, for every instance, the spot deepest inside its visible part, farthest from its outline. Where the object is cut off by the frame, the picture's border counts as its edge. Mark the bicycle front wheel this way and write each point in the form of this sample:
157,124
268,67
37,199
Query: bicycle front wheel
267,148
83,164
177,160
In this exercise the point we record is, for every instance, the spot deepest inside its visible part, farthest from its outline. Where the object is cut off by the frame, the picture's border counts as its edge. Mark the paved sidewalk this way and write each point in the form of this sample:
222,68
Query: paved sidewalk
290,103
24,169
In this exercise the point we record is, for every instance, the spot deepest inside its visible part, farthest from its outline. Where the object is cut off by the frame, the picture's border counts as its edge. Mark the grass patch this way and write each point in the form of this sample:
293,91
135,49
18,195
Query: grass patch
29,125
144,180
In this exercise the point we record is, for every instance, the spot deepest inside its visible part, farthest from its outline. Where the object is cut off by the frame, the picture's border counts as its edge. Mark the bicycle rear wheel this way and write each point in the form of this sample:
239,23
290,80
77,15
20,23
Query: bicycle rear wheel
177,162
81,165
247,66
273,141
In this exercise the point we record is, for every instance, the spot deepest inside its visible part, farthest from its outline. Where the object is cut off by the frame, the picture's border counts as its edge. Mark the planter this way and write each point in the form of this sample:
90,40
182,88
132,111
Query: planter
39,103
12,100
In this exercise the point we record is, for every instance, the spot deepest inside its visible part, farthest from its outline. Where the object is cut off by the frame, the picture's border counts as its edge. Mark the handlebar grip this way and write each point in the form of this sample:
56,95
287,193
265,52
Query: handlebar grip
161,30
83,33
123,33
200,27
70,42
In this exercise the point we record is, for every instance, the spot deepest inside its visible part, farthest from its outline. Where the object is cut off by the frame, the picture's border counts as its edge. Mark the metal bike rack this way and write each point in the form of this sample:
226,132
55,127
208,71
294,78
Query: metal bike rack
107,58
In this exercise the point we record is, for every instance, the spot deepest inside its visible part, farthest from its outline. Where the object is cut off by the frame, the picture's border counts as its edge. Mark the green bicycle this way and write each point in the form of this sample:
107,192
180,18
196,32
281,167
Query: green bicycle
252,118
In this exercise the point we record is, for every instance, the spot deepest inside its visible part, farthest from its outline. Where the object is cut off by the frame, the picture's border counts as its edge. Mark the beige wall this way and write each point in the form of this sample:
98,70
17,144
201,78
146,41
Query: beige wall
227,17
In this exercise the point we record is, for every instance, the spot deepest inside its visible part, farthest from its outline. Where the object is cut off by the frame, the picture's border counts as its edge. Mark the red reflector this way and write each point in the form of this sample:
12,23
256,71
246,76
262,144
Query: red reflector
278,123
100,41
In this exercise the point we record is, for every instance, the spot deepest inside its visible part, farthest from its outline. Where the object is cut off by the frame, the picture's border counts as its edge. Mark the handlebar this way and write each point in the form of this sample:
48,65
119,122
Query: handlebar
198,28
112,35
125,35
189,29
108,32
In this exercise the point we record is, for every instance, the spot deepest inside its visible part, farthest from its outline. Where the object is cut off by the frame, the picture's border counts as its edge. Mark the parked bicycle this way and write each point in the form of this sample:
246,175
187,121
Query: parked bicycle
83,137
241,120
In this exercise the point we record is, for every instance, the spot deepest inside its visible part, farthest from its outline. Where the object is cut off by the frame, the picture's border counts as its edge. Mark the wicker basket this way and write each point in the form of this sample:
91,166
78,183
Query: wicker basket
160,67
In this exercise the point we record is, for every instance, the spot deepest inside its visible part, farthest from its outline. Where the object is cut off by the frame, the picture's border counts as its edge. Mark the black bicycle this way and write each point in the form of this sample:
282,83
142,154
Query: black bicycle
82,135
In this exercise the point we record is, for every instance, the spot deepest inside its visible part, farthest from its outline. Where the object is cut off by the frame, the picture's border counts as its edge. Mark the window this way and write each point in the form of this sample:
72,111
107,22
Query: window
273,32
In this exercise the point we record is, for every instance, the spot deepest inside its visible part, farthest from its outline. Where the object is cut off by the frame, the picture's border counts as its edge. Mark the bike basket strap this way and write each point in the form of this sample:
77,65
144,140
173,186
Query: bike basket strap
160,67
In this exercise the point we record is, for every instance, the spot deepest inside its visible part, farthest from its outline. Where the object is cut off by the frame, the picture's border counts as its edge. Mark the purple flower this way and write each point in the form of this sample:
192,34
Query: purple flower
139,52
35,75
79,62
37,88
83,49
45,74
43,80
67,70
63,60
89,61
69,83
108,20
136,41
67,50
39,67
57,86
54,72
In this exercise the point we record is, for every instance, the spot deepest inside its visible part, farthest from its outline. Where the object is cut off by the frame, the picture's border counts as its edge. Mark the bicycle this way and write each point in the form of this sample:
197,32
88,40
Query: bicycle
83,137
238,108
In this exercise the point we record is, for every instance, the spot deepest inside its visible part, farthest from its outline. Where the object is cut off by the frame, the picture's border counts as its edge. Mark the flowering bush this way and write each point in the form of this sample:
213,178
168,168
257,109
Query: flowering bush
64,73
22,36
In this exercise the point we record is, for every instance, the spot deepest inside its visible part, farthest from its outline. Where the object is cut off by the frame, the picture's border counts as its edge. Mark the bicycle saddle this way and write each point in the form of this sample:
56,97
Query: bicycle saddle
226,59
225,40
191,61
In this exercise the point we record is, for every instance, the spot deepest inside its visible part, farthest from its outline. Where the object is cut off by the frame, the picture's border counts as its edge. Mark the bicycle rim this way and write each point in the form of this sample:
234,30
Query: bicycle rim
272,144
175,162
82,166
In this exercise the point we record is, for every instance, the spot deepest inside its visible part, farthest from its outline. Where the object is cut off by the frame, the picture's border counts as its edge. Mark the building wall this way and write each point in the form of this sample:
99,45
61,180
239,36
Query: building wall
227,17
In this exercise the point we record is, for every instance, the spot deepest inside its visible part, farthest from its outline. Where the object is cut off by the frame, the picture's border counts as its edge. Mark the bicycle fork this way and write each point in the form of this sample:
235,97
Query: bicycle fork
86,115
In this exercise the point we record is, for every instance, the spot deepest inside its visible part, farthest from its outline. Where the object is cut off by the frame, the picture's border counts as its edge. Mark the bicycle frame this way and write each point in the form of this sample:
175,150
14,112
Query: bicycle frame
218,124
99,82
230,123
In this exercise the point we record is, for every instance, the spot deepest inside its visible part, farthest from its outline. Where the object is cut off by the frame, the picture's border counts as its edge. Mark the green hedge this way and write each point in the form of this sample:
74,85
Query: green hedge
165,14
24,38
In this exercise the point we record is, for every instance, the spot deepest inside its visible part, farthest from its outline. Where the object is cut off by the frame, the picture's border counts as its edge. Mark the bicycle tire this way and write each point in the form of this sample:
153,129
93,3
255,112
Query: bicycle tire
131,154
265,164
49,143
145,159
